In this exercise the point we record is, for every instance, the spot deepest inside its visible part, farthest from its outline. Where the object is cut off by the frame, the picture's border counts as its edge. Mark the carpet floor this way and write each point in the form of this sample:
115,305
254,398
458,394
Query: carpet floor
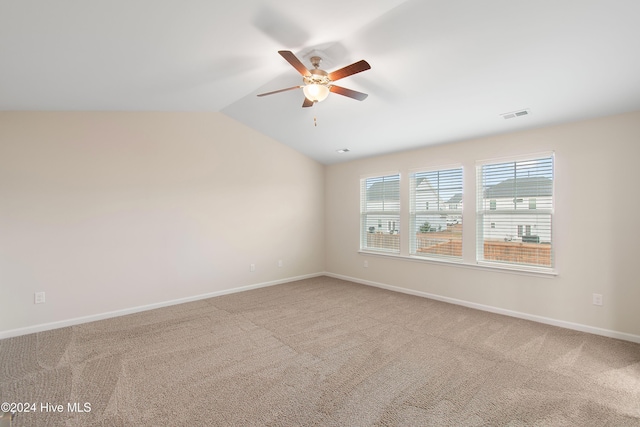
322,352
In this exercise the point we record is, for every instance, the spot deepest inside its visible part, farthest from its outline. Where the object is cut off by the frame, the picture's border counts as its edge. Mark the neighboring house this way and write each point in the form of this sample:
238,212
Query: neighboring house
427,199
519,210
455,202
383,207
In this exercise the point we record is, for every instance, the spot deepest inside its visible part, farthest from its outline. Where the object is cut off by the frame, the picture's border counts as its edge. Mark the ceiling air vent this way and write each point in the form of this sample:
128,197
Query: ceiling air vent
513,114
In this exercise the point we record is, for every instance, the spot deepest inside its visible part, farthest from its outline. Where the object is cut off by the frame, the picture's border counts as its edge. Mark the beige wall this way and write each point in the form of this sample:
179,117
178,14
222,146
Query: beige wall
597,238
109,211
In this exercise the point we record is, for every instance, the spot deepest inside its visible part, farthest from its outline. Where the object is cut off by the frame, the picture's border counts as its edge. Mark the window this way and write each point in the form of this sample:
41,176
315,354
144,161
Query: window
437,230
507,231
380,213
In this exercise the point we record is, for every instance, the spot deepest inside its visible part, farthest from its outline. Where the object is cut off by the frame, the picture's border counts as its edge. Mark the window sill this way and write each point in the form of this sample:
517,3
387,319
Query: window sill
485,266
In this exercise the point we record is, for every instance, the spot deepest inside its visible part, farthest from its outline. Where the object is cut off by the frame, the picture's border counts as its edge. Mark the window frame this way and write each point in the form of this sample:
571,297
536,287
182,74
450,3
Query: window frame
445,210
470,253
480,214
364,213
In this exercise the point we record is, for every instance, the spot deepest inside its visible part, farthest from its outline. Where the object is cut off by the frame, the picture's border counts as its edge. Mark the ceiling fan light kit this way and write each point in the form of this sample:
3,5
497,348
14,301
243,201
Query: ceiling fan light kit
318,83
315,92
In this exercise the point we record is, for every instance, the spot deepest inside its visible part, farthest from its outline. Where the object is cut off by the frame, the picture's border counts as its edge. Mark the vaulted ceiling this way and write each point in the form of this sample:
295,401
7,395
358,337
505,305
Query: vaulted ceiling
441,71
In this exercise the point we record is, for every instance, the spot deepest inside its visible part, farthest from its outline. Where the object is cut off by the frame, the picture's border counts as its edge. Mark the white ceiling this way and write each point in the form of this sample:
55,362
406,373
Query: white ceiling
441,71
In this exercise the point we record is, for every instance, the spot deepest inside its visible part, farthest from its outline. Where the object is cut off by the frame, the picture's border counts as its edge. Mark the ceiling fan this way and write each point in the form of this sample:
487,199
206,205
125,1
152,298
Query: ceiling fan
318,83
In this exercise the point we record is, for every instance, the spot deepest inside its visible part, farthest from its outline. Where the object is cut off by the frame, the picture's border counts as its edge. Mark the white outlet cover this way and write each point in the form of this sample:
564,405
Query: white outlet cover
597,299
39,298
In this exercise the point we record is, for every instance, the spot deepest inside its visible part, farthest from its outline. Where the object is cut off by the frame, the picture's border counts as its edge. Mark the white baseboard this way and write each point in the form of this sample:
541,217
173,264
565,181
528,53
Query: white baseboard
85,319
540,319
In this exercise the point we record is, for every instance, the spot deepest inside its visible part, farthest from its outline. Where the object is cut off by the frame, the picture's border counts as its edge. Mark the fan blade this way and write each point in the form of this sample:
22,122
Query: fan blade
348,92
293,60
349,70
307,103
278,91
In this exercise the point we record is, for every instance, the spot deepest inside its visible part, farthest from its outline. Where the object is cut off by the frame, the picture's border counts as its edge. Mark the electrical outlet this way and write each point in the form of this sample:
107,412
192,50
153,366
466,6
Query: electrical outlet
252,267
366,264
597,299
39,298
279,263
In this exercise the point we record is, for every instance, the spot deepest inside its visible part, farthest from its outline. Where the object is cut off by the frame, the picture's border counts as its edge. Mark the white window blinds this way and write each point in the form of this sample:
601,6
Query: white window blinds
515,212
435,213
380,213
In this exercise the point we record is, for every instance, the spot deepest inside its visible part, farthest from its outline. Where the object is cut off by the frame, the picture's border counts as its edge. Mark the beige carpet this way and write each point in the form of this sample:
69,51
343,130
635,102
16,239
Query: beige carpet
322,352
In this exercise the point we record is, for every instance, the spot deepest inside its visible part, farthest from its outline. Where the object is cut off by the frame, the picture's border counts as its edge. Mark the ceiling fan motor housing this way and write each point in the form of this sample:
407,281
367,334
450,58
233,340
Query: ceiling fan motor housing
317,76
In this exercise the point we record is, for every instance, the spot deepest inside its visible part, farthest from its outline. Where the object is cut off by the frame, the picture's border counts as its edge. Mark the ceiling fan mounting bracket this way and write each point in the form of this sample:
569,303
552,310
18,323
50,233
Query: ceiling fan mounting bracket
315,61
